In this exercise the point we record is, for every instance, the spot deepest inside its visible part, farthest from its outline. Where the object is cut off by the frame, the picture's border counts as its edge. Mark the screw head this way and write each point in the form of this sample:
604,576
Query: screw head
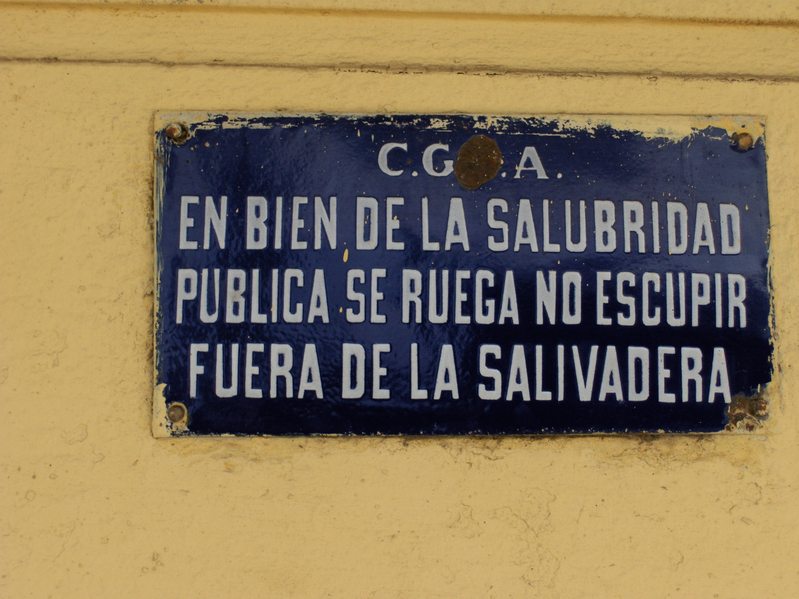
177,132
742,142
176,412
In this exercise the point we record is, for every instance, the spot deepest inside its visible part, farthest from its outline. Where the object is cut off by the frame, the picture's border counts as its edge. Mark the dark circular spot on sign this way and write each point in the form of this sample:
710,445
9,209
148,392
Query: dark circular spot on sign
176,412
478,161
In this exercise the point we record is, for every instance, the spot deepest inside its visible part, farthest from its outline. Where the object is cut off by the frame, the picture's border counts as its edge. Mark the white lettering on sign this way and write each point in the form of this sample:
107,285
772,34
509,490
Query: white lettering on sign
435,161
438,293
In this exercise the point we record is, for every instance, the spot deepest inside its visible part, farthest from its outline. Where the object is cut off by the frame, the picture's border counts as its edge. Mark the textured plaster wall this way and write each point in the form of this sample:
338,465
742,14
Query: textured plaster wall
91,505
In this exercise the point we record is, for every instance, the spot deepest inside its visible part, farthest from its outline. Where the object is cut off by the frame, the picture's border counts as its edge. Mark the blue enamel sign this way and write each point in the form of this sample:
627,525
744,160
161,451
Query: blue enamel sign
458,274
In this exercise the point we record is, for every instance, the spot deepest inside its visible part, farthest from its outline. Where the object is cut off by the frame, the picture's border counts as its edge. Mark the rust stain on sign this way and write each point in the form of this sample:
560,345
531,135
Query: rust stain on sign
478,162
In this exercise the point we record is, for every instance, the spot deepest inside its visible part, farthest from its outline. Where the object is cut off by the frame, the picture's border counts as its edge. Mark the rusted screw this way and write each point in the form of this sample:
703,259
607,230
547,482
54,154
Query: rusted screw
760,408
736,415
742,142
176,412
177,132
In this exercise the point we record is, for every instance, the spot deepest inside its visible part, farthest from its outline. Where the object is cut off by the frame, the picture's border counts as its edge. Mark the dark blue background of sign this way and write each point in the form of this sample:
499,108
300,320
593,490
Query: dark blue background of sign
328,155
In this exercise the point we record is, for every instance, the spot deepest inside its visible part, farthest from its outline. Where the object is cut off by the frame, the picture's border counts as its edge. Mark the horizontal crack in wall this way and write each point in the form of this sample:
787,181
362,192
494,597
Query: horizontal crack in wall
415,69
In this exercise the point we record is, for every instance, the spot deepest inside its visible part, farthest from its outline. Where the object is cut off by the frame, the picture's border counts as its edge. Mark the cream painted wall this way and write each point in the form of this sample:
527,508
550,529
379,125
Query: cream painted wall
91,505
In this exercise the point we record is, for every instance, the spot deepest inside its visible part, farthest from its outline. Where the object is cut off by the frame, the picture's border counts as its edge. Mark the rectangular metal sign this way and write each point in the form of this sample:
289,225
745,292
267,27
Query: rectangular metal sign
458,274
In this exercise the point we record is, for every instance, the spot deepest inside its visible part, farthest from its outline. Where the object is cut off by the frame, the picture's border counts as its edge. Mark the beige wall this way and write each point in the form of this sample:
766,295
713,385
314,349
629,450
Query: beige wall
92,506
